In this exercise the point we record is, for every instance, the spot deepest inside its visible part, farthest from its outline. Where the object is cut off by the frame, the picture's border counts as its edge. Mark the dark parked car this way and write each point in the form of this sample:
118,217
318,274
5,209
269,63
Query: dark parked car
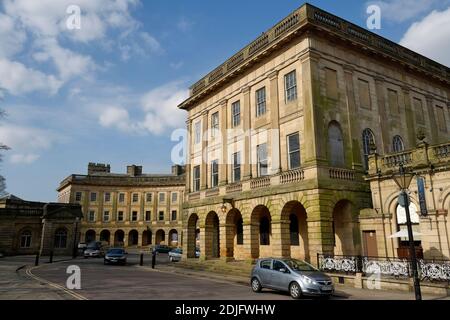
115,256
162,248
294,276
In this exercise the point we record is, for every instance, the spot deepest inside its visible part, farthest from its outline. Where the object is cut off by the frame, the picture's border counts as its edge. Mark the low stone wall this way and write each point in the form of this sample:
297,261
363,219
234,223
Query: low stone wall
361,282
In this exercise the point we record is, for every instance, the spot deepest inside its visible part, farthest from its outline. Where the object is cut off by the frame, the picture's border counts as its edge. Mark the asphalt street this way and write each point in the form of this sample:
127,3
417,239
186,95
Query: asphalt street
112,282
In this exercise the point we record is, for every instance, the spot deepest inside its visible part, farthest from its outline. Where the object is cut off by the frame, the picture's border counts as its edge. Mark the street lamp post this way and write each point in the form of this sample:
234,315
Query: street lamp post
403,180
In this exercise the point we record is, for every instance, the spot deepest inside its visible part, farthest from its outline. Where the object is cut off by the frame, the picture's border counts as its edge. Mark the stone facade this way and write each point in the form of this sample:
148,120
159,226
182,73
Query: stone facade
130,210
28,227
431,163
344,92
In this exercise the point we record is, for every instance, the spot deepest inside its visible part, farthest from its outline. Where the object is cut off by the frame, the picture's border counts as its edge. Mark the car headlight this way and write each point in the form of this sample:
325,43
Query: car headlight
308,280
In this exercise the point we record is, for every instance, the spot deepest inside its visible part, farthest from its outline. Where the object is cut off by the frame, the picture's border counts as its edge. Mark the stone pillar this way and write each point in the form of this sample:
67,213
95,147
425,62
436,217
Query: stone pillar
204,166
46,237
140,244
188,156
128,210
203,242
354,133
314,134
433,124
223,166
409,113
249,240
246,157
275,122
320,230
226,241
281,244
384,123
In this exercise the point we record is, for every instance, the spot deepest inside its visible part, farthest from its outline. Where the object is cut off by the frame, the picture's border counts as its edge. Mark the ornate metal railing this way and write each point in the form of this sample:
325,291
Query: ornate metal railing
340,264
429,270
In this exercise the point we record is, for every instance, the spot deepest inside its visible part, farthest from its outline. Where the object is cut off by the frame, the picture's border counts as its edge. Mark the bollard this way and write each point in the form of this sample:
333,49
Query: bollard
153,259
141,262
36,262
51,257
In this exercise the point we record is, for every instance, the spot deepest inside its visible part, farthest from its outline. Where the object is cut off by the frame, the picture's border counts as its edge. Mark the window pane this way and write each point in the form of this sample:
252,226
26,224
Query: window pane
260,102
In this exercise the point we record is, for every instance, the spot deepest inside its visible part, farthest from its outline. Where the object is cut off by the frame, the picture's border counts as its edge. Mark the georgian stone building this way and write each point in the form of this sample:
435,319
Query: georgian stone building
280,136
132,209
28,227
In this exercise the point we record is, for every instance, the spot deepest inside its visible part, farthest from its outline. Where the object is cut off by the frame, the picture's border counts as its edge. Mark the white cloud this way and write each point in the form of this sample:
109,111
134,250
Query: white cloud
403,10
115,117
19,158
26,142
18,79
158,107
430,36
13,37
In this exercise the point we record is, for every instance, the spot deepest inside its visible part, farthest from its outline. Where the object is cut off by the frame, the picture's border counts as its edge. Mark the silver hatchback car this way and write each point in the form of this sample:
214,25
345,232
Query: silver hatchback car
294,276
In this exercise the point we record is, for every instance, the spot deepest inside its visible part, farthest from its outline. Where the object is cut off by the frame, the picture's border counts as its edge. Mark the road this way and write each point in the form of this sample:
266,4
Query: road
110,282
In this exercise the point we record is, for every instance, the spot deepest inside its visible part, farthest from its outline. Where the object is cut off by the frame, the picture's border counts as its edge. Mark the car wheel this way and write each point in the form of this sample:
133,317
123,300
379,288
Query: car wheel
170,258
256,285
295,290
104,262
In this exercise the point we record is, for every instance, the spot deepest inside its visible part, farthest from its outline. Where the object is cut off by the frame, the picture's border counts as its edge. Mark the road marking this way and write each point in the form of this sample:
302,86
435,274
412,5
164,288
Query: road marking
54,285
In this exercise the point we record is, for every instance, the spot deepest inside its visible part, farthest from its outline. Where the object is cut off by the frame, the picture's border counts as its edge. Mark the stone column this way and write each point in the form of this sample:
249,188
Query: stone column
314,134
281,244
188,155
320,229
409,118
354,133
128,210
432,117
275,122
46,237
139,244
223,166
203,241
204,166
226,241
246,157
384,123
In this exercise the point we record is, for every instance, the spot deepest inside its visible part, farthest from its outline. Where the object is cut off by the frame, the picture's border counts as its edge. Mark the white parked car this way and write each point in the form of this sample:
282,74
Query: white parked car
175,254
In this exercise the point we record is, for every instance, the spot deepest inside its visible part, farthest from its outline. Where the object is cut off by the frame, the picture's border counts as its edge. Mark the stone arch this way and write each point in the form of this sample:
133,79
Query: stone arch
234,233
191,236
105,236
261,231
89,236
294,231
212,235
160,236
173,238
344,228
147,237
133,238
119,238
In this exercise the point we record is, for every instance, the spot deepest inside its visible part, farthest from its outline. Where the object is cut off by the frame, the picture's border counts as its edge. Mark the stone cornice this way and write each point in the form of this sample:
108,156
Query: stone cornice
311,19
124,181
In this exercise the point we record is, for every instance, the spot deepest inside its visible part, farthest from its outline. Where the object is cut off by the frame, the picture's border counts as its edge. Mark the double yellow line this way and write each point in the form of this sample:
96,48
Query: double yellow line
72,293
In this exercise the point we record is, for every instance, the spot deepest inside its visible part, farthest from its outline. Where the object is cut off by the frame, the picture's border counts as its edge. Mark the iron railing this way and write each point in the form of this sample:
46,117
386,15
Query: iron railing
386,267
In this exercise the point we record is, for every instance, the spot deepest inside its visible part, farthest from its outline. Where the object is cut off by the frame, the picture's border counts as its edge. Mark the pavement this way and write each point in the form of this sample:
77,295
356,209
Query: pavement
19,279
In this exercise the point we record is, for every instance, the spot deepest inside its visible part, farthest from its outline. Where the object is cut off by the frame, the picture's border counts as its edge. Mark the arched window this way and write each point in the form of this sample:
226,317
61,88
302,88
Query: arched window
335,145
60,239
25,239
264,231
397,144
368,139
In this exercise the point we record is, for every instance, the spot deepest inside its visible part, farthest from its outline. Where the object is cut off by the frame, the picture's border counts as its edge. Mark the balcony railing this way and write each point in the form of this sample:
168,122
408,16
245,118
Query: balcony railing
341,174
397,159
292,176
442,151
262,182
235,187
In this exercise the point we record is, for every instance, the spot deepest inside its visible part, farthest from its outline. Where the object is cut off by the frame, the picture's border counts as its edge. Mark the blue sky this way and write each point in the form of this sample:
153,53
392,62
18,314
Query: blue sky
108,91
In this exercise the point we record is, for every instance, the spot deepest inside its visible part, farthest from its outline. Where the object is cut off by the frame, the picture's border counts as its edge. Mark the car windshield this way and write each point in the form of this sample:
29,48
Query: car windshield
298,265
115,251
177,250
